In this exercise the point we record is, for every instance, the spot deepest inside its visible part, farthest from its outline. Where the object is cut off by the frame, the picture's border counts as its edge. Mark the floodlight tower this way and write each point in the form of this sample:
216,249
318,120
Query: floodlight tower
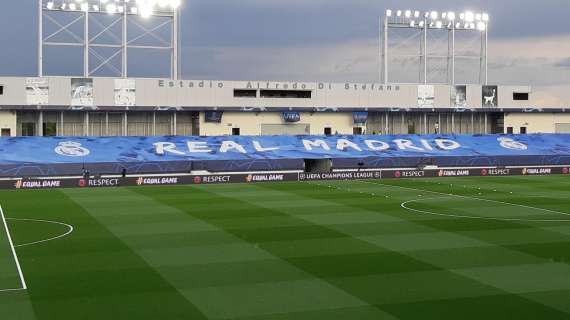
113,19
449,22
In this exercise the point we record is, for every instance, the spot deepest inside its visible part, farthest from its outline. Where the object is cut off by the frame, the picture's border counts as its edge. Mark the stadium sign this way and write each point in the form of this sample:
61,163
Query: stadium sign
275,177
536,171
99,182
496,172
267,177
37,184
190,84
174,153
405,174
213,179
157,181
454,173
330,144
275,85
339,176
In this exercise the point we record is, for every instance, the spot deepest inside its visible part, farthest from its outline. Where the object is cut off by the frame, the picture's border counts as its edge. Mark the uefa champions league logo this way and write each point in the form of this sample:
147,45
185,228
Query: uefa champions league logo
511,144
71,149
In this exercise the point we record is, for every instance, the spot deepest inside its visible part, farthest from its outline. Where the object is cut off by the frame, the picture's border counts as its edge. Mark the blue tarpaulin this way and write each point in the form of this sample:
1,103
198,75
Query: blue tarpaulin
171,153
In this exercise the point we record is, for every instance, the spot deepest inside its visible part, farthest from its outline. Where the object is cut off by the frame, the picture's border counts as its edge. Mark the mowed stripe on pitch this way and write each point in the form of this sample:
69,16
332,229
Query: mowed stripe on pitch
257,282
383,269
403,244
89,274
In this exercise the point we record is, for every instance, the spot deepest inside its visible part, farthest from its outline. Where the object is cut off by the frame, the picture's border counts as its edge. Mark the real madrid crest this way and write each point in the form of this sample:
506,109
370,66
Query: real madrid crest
511,144
71,149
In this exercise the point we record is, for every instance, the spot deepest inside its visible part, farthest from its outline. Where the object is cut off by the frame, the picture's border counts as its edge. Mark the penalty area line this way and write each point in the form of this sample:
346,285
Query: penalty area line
21,274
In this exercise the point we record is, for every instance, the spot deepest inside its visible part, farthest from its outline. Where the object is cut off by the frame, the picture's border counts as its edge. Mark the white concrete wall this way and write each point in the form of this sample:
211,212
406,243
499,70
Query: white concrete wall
250,122
205,93
507,96
535,123
14,91
8,121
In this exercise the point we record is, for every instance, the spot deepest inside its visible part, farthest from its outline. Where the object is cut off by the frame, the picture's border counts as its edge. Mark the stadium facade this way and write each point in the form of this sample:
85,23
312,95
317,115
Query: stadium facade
66,106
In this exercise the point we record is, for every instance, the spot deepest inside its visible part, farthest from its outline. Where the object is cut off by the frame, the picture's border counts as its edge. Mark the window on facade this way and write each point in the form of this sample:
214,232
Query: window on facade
283,94
49,129
6,132
28,129
1,90
523,130
245,93
235,131
520,96
509,130
411,127
328,131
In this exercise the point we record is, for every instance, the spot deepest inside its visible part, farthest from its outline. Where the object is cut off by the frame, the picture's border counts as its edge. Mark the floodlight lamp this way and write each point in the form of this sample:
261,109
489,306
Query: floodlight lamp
462,16
481,26
444,15
95,7
469,16
111,8
472,25
63,6
104,1
421,24
388,13
145,11
134,10
485,17
399,13
451,16
412,23
49,5
426,15
416,14
438,24
85,7
162,3
433,15
408,13
466,25
458,25
478,17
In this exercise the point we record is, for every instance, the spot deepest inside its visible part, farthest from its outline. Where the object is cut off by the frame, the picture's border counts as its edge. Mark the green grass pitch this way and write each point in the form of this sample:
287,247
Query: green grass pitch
451,248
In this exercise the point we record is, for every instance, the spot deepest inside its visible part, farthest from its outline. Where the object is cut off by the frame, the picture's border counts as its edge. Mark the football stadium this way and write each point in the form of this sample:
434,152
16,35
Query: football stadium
170,198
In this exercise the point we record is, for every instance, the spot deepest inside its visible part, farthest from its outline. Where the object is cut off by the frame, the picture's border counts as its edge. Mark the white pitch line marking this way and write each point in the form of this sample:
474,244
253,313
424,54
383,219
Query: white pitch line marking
12,290
23,281
403,205
468,197
69,231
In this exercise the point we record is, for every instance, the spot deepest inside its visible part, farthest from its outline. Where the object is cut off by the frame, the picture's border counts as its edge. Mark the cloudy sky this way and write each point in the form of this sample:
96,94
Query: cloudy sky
326,40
